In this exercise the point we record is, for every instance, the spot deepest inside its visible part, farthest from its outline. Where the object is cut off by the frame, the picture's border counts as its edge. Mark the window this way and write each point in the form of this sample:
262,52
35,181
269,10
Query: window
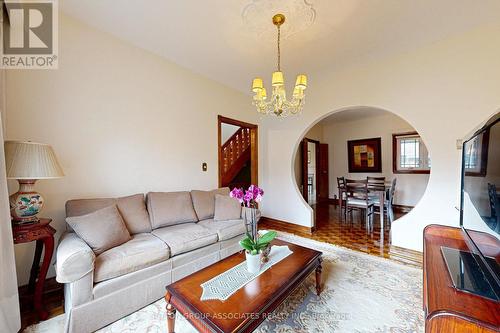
409,154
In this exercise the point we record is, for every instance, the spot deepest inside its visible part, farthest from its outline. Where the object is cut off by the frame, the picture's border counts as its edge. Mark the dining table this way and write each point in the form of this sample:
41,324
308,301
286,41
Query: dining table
381,198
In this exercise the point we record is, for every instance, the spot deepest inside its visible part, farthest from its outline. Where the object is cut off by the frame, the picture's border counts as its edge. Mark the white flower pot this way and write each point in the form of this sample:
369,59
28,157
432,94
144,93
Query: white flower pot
253,263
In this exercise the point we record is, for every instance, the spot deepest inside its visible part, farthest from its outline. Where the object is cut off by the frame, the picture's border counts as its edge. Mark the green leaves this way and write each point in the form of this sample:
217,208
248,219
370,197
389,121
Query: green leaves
247,244
267,237
262,242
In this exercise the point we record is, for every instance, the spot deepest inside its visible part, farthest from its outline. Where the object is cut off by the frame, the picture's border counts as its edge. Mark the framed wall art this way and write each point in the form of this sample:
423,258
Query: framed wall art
365,155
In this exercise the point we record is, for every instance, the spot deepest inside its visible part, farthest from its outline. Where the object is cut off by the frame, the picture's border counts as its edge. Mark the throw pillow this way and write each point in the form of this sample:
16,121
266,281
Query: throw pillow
226,208
134,213
204,202
101,230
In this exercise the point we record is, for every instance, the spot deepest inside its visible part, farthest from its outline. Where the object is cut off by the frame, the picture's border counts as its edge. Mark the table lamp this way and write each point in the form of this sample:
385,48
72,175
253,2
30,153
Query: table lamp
27,162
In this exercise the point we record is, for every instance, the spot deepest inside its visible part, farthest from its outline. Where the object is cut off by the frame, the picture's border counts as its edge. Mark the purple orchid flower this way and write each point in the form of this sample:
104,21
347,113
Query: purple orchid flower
237,193
248,198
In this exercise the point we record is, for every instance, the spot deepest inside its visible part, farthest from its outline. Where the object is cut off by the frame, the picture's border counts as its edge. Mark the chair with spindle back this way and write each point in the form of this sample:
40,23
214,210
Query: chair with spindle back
357,198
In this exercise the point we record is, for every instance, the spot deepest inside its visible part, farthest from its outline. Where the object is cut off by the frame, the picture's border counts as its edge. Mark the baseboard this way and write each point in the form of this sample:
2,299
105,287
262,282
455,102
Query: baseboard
406,256
333,201
286,226
402,208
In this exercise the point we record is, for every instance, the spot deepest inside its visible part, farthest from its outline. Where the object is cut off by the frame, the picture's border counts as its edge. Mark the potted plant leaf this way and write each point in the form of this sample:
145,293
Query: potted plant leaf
253,249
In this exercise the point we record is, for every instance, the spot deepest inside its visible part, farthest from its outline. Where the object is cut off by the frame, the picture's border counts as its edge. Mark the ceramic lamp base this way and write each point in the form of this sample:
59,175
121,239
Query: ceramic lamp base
26,203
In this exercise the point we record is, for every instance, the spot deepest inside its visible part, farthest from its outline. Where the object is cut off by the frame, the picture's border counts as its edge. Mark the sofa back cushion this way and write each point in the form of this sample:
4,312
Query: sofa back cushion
226,208
134,213
170,208
80,207
132,209
204,202
102,229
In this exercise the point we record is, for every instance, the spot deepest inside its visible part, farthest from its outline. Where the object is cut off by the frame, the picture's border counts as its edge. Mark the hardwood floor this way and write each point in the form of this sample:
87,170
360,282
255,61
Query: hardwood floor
53,299
353,234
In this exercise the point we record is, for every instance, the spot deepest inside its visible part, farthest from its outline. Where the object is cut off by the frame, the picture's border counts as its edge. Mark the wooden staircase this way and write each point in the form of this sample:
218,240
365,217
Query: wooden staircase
235,155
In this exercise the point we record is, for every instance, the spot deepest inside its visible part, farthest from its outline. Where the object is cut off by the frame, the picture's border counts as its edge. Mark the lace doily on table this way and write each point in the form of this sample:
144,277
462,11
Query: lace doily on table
225,284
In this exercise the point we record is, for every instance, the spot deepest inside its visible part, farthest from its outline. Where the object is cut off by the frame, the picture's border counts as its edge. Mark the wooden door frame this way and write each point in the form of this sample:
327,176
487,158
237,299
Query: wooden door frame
321,175
254,146
305,188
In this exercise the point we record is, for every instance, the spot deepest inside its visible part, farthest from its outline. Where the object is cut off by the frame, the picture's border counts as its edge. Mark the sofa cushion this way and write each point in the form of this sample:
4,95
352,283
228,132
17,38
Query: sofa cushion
79,207
226,208
143,250
134,213
225,229
170,208
204,202
101,230
185,237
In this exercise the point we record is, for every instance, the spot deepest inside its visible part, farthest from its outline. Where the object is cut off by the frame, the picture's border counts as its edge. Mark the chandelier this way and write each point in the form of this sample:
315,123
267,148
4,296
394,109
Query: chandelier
278,103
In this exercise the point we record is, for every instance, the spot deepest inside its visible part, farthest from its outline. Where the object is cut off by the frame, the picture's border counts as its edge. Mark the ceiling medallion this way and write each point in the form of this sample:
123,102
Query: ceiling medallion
278,104
255,15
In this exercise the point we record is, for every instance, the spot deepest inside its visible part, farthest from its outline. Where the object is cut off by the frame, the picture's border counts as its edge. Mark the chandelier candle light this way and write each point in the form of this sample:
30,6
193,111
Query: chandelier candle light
278,104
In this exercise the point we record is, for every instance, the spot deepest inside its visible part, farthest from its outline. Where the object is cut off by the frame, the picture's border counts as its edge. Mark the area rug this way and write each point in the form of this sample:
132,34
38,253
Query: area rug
361,294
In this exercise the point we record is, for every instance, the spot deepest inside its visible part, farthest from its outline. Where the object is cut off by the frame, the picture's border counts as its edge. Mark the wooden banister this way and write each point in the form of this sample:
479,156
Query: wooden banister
235,153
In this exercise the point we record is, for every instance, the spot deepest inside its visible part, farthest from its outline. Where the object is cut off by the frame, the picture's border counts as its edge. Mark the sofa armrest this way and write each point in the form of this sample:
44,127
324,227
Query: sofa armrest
74,258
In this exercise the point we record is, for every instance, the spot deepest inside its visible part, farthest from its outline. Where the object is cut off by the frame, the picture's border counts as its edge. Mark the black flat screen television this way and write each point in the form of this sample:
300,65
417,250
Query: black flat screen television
478,269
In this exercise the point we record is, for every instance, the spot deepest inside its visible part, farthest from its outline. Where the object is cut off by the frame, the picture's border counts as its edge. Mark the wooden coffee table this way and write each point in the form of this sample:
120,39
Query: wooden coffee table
250,305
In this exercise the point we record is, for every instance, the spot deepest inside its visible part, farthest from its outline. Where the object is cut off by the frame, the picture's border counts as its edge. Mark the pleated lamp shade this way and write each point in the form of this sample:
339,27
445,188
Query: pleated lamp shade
30,160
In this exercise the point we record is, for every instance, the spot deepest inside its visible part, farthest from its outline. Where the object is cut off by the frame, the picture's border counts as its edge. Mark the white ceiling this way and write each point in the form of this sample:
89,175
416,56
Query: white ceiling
212,38
353,114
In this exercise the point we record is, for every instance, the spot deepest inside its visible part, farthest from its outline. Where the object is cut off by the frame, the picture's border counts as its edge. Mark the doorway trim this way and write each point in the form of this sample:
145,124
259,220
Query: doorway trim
305,189
254,147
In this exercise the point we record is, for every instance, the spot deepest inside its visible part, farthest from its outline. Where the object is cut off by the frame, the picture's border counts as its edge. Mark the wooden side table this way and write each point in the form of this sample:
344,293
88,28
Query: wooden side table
43,234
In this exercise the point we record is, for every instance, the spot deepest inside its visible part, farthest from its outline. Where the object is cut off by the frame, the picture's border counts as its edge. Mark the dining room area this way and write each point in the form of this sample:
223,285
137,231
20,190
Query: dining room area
361,170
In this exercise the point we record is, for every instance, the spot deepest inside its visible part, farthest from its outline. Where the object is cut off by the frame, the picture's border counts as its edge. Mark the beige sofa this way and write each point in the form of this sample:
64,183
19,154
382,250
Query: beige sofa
173,235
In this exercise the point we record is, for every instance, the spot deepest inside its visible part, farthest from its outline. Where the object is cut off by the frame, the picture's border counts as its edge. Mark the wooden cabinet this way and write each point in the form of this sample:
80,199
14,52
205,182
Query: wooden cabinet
448,309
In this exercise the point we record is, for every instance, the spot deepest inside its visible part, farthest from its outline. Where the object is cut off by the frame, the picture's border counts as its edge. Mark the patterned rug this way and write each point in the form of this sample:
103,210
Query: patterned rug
361,294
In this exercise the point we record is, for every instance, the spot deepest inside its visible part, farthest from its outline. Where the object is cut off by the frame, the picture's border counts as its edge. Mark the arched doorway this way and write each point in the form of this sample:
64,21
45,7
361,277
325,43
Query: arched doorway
365,143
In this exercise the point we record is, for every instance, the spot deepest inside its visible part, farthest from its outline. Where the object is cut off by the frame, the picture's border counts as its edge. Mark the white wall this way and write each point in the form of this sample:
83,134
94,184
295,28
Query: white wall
121,121
443,90
409,188
227,130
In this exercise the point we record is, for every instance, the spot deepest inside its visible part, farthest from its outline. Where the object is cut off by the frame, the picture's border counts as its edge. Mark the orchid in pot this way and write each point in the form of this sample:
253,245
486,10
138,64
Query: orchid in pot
254,244
253,249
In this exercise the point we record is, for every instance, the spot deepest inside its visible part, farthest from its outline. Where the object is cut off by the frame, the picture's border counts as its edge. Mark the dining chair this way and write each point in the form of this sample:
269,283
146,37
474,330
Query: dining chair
375,184
341,187
388,200
357,198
